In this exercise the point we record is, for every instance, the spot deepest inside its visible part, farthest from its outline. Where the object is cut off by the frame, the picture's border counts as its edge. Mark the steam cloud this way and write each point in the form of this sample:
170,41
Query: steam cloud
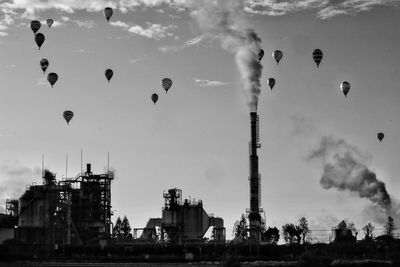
345,169
13,181
225,20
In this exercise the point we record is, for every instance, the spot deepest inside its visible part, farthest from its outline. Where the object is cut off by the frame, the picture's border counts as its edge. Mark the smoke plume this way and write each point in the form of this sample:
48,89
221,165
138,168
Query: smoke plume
13,181
225,20
345,169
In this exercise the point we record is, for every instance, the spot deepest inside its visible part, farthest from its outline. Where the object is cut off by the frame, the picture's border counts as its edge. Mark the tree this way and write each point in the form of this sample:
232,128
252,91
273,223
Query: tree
126,229
368,230
352,227
390,227
240,228
117,228
271,235
289,232
305,230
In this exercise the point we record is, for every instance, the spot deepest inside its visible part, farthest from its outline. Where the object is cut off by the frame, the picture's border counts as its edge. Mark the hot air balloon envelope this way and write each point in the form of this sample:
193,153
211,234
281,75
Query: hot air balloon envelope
345,86
49,22
39,39
52,78
261,54
317,56
35,25
277,55
154,98
166,84
44,63
271,82
108,73
68,115
380,136
108,11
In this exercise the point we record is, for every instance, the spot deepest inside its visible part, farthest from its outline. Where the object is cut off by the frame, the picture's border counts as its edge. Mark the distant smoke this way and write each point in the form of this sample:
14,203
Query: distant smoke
345,169
13,181
225,20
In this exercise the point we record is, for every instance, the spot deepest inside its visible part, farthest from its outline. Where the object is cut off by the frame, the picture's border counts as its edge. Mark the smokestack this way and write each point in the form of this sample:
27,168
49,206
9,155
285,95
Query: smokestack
88,168
254,215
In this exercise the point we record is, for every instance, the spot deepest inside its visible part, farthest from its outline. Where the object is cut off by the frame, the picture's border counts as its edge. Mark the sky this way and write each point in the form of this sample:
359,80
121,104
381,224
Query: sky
196,136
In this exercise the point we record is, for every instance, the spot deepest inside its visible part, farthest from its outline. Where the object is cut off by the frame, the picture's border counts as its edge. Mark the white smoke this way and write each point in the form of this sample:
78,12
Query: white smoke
345,168
13,181
226,21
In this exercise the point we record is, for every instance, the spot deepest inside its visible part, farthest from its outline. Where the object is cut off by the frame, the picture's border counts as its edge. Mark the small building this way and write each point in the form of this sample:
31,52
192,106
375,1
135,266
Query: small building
343,233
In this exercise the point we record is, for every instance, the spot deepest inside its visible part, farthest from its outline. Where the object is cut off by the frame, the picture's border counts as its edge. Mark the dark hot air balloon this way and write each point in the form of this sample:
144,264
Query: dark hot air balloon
39,39
109,73
345,86
49,22
52,78
68,115
380,136
154,98
35,25
166,84
108,11
44,63
317,56
277,55
261,54
271,82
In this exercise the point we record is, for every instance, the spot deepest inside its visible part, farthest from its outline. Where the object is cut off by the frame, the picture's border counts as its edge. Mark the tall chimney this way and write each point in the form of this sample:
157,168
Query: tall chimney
88,168
254,215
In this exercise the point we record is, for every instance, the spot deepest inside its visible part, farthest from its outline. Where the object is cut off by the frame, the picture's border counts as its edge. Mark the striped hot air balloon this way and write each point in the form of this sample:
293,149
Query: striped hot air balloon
345,86
317,56
68,115
154,98
166,84
271,82
35,25
52,78
380,136
277,55
44,64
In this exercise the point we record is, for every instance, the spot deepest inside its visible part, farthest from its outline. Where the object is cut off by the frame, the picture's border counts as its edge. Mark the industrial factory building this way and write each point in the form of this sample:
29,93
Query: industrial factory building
71,212
182,222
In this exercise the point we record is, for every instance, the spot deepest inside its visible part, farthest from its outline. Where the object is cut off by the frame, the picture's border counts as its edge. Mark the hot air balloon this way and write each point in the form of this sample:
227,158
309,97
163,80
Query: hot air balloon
317,56
277,55
35,25
108,11
261,54
44,63
39,39
49,22
68,115
154,98
380,136
52,78
345,86
166,84
109,73
271,82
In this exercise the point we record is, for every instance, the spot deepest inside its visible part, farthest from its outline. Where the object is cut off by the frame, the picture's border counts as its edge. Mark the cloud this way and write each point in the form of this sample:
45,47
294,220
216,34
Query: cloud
13,180
325,8
3,34
188,43
85,23
279,8
208,83
120,24
153,31
352,7
42,81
